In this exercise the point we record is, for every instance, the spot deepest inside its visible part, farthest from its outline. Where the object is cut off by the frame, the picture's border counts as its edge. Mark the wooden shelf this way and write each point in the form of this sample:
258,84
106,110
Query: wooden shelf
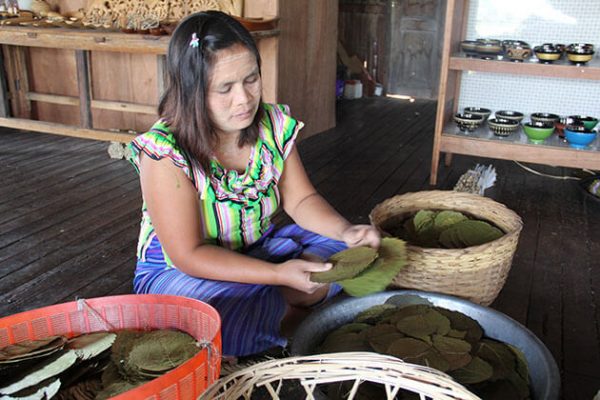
93,39
560,69
483,143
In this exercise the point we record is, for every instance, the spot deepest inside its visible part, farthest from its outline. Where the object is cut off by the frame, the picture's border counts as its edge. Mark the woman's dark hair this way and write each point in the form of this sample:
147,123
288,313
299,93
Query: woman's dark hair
183,104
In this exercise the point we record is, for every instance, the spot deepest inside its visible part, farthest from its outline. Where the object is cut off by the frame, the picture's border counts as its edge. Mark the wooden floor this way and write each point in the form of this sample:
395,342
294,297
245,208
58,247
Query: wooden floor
69,218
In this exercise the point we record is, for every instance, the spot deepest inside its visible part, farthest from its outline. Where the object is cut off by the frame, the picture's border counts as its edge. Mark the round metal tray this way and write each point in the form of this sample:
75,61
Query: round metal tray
543,371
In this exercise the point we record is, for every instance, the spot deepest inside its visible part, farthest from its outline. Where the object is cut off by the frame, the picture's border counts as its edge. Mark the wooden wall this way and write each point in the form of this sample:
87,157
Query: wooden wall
363,30
307,61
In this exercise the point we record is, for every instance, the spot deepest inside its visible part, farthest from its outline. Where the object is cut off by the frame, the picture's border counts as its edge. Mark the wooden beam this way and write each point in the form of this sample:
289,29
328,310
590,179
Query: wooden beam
91,39
4,105
98,104
66,130
161,73
16,68
83,84
124,106
53,99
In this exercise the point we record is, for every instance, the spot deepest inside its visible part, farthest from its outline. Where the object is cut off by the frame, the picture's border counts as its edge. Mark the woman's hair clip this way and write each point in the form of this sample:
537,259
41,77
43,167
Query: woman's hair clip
195,42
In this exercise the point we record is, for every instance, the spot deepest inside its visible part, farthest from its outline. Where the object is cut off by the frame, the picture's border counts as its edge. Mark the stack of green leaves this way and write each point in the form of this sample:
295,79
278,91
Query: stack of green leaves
443,229
439,338
138,357
38,369
363,270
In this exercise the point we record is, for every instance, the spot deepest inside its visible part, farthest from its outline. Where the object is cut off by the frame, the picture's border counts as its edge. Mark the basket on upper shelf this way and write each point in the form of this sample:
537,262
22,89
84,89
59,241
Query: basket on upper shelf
476,273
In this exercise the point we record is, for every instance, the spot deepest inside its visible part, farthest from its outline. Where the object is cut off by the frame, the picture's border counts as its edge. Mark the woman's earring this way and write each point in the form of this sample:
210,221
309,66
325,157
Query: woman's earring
195,42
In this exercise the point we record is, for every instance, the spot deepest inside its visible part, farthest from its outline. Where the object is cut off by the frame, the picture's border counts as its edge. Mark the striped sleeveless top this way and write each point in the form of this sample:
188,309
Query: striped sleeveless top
235,208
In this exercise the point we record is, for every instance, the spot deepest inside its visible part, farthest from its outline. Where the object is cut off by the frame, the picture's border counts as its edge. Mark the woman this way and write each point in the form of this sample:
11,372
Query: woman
213,170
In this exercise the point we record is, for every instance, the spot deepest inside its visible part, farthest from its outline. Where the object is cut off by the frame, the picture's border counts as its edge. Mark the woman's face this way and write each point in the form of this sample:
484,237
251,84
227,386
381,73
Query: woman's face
234,89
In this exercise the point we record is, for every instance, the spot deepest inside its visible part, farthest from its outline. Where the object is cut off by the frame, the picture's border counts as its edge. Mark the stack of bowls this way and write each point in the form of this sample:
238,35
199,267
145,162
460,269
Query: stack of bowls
503,126
578,136
580,53
588,122
484,112
469,47
467,121
546,118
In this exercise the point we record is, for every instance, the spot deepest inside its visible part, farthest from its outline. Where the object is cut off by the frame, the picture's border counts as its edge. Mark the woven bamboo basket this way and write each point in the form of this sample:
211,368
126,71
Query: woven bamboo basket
476,273
356,367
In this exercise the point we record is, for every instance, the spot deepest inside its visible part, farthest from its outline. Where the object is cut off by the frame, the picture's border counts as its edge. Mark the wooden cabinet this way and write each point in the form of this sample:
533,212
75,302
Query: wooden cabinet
450,140
106,85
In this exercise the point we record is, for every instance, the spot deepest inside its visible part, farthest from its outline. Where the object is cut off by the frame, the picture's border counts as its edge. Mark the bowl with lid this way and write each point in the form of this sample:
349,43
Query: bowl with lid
509,114
468,122
489,48
580,53
537,132
548,53
503,126
469,47
484,112
517,50
578,136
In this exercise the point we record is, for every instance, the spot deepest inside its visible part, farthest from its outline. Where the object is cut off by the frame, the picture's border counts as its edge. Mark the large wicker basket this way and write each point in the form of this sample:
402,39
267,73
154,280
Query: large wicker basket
475,273
355,367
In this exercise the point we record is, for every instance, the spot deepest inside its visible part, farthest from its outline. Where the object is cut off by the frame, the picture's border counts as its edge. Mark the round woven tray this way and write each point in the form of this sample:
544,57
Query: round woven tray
475,273
356,367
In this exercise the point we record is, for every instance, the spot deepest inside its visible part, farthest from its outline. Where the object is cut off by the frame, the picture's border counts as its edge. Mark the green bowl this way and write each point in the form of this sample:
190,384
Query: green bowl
537,132
588,122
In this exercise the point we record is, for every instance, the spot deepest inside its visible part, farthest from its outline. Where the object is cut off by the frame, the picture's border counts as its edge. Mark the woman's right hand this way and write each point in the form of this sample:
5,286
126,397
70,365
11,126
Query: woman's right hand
296,274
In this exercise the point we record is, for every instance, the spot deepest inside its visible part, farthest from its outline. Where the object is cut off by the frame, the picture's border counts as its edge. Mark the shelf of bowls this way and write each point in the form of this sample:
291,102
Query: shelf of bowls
519,51
577,130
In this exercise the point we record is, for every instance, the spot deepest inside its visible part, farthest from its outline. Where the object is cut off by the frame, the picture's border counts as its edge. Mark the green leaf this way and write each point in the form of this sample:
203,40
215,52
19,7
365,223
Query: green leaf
376,278
346,264
476,371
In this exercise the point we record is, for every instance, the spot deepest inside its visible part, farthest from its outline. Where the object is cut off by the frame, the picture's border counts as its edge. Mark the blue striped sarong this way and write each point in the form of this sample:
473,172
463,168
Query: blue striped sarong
250,314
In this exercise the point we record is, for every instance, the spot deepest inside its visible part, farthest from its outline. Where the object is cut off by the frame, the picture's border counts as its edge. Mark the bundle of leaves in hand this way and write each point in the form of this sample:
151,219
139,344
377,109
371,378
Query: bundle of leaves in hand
363,270
439,338
443,229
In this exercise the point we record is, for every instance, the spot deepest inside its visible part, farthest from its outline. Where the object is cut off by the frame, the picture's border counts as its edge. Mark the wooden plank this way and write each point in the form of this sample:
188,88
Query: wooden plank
93,40
18,80
161,74
124,106
562,69
4,103
447,83
60,129
308,33
539,154
84,89
53,99
99,104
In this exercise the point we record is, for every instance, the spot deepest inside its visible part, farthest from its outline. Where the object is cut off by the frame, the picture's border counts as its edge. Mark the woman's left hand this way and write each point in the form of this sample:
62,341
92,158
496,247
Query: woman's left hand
361,235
